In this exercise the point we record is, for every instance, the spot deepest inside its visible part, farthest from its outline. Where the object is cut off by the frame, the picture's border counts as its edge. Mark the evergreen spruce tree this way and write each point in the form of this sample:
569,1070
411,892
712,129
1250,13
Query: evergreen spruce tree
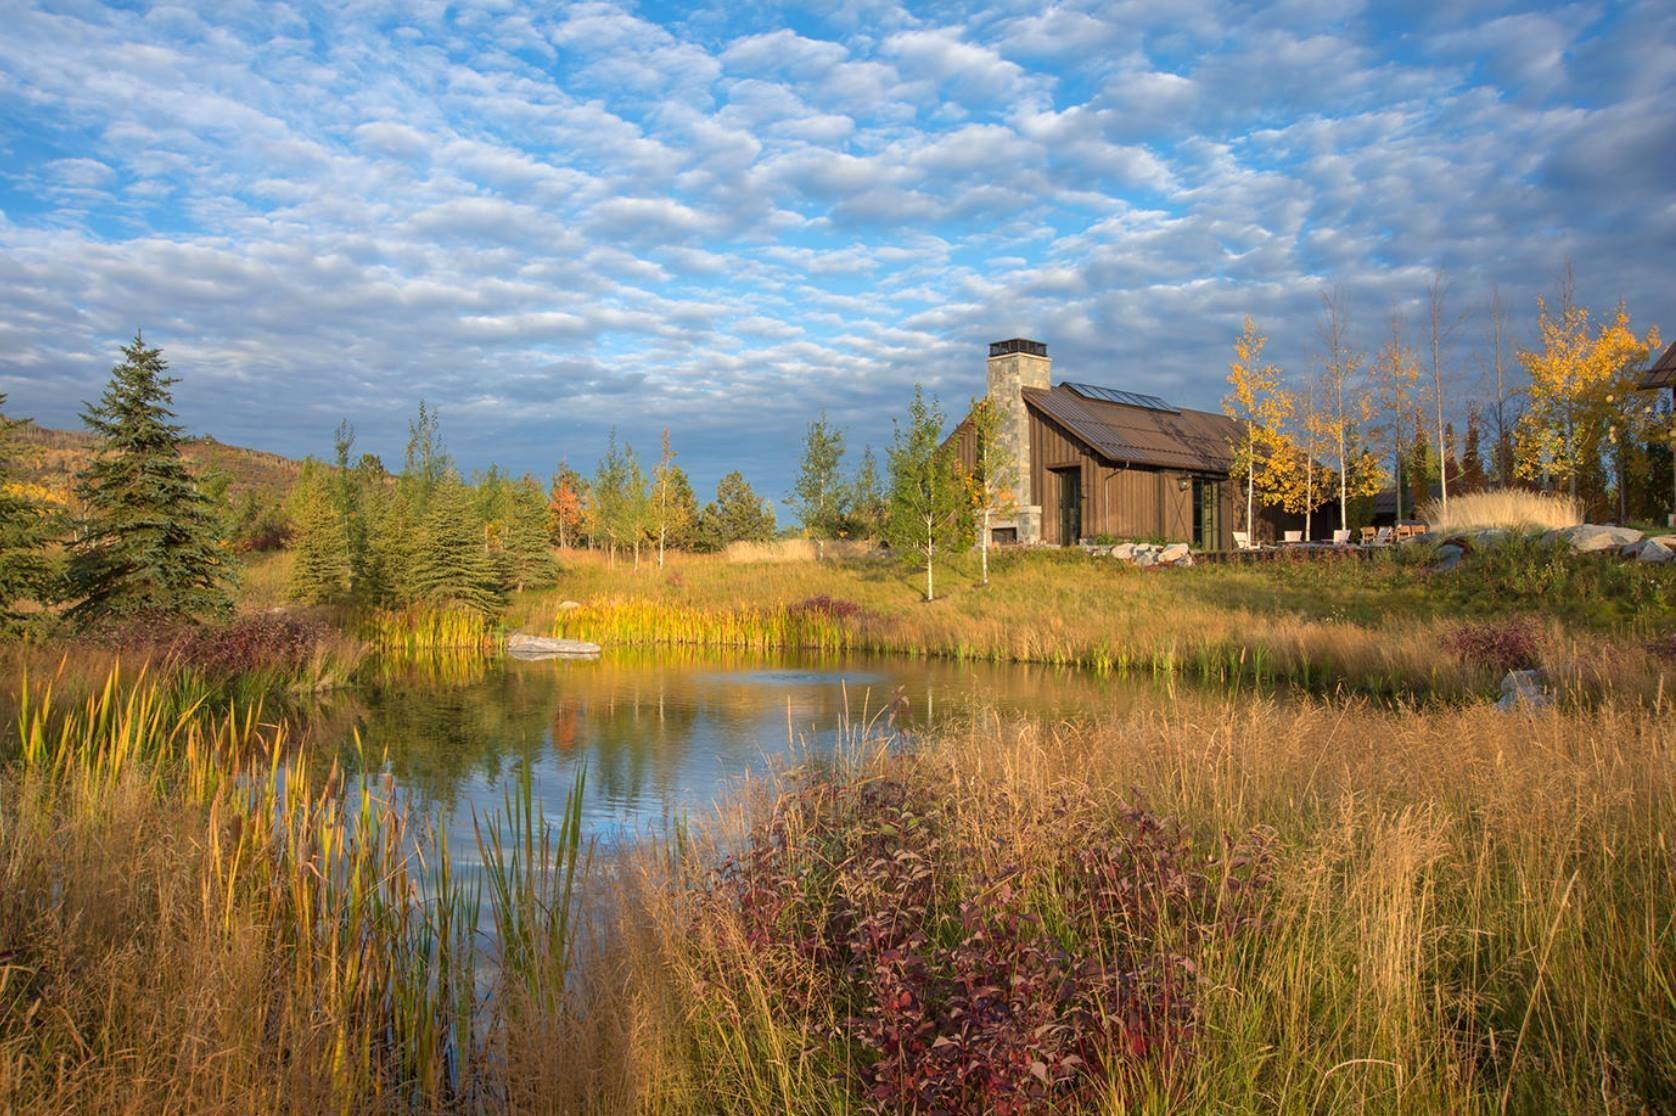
737,514
25,528
450,568
818,495
149,542
526,554
320,573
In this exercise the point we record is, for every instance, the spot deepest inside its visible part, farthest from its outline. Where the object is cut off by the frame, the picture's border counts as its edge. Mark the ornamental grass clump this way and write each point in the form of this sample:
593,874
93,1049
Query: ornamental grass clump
964,974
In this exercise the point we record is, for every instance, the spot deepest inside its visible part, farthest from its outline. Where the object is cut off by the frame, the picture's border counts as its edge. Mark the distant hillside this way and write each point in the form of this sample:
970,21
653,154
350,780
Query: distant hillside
51,459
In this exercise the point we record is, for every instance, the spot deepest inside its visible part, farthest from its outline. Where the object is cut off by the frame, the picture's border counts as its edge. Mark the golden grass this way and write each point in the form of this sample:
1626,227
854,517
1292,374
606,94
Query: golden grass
796,550
1469,912
196,916
1516,509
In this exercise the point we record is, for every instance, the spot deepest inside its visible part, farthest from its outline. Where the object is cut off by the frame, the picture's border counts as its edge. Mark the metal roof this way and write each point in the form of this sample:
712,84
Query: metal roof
1133,434
1663,373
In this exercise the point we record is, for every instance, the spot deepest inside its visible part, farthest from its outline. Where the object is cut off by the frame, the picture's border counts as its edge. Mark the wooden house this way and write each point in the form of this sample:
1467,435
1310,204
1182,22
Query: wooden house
1095,460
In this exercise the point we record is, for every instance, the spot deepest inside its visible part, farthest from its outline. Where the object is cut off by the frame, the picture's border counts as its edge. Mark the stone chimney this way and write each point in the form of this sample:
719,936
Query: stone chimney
1013,366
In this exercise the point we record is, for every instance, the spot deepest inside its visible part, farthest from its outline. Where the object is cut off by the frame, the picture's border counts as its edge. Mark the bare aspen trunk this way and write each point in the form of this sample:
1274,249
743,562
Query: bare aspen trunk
983,547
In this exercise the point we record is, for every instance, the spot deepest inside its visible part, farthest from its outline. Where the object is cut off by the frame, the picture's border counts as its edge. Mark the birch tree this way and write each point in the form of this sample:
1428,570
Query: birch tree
1441,334
1396,376
1342,369
930,508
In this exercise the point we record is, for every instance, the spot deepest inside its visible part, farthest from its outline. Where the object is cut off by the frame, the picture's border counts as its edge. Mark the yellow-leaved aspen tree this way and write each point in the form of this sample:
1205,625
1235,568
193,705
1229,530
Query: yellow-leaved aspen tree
1257,401
1578,377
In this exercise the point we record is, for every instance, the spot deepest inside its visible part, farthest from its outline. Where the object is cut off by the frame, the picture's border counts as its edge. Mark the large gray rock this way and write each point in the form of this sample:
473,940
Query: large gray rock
528,647
1175,553
1652,550
1587,537
1123,552
1448,557
1522,689
1145,557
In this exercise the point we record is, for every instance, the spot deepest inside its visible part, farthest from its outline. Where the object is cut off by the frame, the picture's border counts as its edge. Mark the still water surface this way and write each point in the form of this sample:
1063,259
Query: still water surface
663,735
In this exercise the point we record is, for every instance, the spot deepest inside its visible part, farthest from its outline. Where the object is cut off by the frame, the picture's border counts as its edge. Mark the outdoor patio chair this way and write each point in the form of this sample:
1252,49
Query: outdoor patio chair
1294,536
1341,538
1384,537
1368,536
1242,540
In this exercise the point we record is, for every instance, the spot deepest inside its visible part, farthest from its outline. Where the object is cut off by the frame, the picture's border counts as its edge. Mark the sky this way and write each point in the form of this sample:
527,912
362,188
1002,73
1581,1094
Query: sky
552,221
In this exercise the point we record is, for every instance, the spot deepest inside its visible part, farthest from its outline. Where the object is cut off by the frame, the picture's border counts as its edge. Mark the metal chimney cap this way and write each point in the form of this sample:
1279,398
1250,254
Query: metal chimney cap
1018,345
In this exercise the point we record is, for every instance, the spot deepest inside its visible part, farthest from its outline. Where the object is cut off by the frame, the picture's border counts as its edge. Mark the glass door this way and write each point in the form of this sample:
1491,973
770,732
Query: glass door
1070,506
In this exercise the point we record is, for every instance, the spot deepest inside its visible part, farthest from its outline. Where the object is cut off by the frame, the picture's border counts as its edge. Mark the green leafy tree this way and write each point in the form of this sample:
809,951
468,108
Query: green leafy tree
620,508
818,495
931,503
671,500
320,570
737,514
25,529
450,568
149,542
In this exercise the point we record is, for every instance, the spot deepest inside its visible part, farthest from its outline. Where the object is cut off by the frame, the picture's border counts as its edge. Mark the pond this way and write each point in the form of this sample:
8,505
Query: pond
664,736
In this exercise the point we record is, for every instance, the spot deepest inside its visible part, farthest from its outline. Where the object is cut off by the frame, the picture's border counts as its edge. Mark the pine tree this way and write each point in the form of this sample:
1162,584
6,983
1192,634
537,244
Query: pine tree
864,504
149,541
1473,477
320,572
931,503
450,568
737,514
25,528
818,494
526,557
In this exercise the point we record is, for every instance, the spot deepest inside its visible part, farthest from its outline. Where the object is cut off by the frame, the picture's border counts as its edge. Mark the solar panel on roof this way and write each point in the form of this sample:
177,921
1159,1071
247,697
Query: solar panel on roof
1127,398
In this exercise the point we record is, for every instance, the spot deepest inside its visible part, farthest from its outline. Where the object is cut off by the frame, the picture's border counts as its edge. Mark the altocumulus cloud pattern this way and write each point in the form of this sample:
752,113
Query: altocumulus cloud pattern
549,220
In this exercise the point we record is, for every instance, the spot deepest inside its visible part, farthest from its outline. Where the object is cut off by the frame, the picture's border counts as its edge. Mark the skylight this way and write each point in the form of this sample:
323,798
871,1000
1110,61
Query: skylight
1127,398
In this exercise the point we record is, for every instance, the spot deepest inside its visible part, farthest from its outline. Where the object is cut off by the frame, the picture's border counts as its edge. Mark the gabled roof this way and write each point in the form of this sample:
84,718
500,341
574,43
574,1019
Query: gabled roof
1663,373
1123,434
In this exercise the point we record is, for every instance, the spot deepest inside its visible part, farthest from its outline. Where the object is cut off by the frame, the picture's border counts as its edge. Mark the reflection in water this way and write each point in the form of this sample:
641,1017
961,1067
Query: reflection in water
663,734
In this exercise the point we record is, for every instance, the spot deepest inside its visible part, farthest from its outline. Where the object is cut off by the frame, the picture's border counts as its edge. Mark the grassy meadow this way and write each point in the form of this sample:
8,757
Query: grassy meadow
1320,872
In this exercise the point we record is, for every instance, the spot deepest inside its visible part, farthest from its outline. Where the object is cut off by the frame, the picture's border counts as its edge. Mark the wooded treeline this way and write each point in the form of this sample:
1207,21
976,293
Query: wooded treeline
1561,414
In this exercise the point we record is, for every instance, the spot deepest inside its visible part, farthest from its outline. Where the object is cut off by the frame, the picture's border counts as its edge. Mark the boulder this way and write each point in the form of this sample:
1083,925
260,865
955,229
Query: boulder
566,606
1522,689
528,647
1174,553
1123,552
1146,557
1586,537
1652,550
1449,556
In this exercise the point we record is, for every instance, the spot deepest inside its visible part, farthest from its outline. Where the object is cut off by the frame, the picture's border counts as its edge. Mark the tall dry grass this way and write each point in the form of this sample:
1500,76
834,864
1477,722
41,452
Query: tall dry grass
197,916
1464,911
1513,509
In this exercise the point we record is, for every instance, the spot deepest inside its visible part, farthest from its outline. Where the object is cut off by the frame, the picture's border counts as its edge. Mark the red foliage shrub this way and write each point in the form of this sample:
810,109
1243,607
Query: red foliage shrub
989,999
242,645
1512,644
823,605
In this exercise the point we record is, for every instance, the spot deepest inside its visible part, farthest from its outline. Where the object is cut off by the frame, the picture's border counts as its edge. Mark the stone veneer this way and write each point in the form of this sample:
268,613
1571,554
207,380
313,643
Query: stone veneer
1009,375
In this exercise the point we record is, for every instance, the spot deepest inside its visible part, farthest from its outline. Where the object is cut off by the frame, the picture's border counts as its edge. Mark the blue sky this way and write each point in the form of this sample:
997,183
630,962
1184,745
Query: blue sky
552,220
